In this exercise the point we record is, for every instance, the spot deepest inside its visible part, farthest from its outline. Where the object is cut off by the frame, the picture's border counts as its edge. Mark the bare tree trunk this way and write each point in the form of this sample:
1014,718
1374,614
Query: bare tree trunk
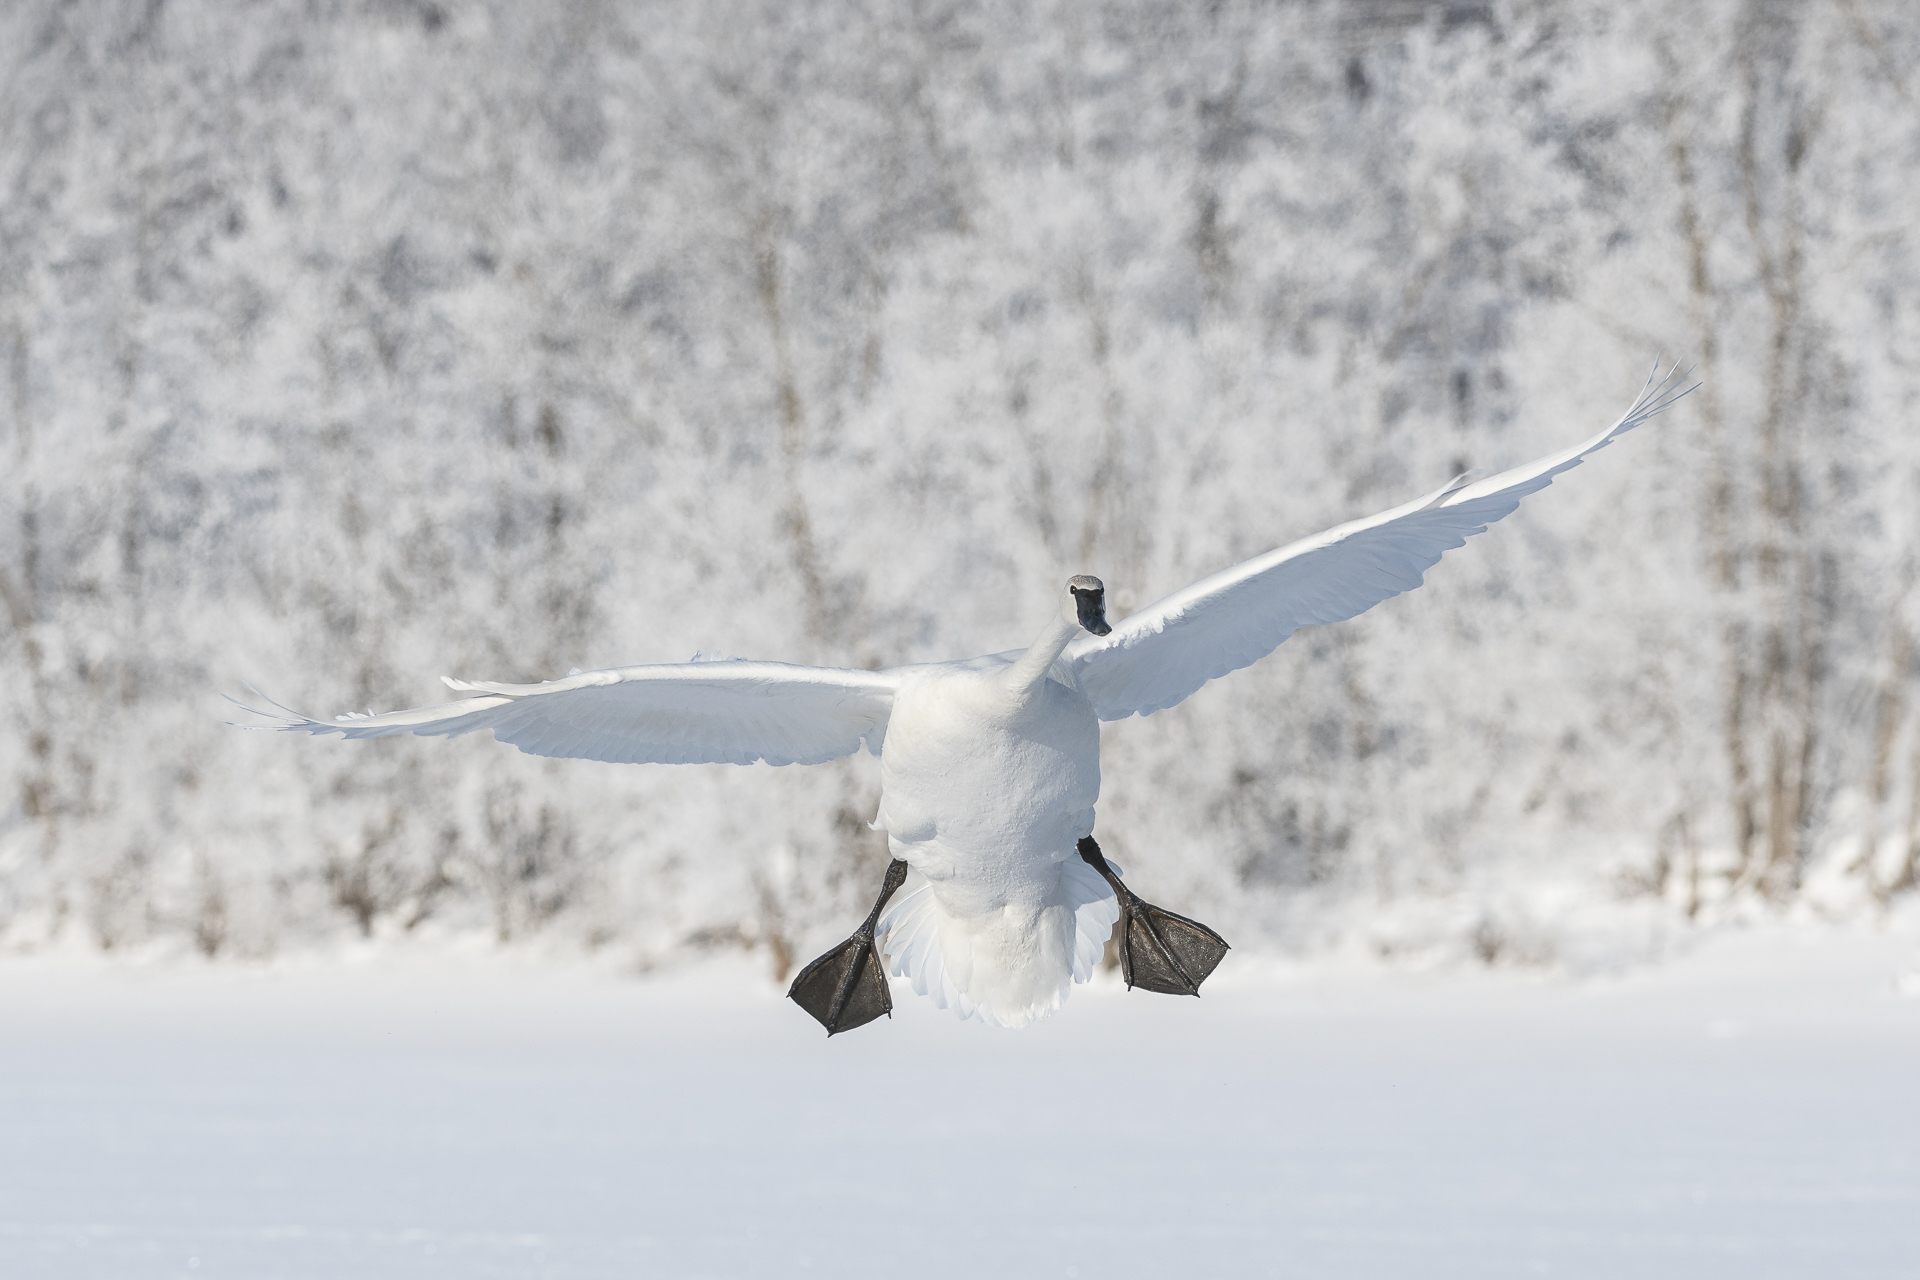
1790,643
1908,876
22,600
1719,495
822,626
1889,712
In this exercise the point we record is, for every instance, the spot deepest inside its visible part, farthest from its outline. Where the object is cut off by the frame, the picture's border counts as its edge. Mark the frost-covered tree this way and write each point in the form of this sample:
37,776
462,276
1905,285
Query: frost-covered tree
349,346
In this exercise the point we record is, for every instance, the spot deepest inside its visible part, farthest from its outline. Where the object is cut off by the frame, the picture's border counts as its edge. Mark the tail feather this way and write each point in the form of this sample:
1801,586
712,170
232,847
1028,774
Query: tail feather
1009,970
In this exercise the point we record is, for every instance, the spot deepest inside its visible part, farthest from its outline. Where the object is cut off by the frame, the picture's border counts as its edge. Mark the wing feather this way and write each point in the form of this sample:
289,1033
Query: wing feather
1160,655
731,712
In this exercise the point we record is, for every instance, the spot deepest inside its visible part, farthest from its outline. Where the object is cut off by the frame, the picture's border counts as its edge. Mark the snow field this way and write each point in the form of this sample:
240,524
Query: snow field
1746,1110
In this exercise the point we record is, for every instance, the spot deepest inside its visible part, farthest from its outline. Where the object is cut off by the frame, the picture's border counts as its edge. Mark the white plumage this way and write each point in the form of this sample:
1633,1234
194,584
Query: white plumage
990,767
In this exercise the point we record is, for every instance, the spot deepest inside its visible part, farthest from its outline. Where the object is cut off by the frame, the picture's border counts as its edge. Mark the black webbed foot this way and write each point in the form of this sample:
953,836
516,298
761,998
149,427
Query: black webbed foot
1159,951
847,987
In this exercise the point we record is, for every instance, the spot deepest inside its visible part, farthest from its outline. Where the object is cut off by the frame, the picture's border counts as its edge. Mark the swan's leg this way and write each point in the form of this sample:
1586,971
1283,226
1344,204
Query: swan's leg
847,987
1159,951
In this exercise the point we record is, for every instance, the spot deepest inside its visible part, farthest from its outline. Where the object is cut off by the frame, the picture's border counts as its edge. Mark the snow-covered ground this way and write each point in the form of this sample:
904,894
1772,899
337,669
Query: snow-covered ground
1749,1109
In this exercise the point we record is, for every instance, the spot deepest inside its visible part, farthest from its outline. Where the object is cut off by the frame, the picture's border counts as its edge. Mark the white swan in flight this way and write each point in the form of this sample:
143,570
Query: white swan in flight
990,766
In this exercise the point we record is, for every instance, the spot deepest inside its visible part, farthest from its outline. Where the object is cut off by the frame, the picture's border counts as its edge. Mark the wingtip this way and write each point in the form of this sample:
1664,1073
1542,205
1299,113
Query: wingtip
271,721
1659,394
252,711
288,719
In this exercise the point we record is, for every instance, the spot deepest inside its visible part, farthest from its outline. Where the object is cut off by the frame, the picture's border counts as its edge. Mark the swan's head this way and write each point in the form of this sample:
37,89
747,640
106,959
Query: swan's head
1087,603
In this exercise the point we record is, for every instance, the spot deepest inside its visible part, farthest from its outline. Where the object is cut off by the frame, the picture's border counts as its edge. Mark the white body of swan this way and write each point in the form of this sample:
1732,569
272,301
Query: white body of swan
1008,912
990,767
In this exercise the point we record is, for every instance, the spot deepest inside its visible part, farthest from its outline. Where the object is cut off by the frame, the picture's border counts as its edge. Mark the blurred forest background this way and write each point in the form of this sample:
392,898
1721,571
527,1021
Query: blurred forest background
344,345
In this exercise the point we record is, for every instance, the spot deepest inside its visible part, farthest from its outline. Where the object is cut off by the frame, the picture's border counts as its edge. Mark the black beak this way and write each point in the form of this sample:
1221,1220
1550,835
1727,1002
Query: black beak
1093,610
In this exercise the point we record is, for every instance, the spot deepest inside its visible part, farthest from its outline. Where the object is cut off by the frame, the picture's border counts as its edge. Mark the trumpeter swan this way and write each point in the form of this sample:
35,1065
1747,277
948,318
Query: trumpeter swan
990,766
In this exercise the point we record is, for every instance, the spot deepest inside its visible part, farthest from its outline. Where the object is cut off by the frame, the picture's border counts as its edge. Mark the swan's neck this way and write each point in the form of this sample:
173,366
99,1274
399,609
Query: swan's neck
1025,676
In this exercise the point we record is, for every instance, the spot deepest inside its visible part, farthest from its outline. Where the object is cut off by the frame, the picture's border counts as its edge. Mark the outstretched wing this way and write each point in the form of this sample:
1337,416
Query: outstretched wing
1160,655
730,712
